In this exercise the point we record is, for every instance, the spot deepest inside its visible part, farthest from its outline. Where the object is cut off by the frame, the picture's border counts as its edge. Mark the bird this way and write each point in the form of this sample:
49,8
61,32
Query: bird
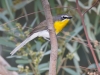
41,30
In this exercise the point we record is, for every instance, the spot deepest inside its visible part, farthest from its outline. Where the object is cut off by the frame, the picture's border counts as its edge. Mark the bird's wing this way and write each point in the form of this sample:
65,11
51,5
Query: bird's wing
42,26
39,31
43,33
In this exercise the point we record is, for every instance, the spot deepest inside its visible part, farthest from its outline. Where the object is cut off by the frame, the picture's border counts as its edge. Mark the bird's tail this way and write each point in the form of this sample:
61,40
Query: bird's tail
43,34
24,43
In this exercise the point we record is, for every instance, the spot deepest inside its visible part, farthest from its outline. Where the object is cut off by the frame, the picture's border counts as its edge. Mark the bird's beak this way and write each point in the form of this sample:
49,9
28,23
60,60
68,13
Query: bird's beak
69,17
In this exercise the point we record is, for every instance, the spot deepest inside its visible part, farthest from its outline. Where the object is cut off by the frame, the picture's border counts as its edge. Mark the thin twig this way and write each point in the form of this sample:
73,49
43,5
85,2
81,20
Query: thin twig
64,59
3,65
91,7
53,39
88,40
34,13
32,67
83,68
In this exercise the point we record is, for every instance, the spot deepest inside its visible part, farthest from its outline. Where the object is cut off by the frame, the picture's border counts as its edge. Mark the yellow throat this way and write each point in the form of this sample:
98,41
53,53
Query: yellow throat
59,25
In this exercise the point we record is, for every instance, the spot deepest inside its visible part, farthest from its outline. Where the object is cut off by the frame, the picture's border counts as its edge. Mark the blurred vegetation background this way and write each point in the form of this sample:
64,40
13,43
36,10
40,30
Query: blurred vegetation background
74,56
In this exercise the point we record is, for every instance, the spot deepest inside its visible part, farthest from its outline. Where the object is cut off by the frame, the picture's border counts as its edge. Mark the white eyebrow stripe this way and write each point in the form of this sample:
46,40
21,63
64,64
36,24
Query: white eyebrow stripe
64,16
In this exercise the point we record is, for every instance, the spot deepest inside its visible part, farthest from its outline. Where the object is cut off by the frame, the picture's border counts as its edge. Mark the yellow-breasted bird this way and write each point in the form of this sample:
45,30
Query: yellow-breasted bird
41,30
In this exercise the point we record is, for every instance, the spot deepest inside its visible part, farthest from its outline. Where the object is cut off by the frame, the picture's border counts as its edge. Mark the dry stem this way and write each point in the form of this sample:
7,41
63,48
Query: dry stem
53,40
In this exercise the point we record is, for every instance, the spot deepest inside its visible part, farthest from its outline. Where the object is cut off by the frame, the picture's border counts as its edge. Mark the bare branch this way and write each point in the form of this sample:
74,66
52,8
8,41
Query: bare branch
3,70
54,45
91,7
86,34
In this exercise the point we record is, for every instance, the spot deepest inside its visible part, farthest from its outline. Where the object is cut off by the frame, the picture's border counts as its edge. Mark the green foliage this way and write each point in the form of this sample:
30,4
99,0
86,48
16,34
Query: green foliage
33,58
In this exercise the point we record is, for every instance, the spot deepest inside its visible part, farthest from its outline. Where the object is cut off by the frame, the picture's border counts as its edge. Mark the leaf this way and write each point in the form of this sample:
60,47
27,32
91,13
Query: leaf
9,9
40,6
16,56
74,33
52,3
92,66
43,67
72,49
1,28
44,46
12,68
47,53
22,4
29,73
36,9
59,60
5,41
38,45
6,20
10,57
70,71
21,61
33,23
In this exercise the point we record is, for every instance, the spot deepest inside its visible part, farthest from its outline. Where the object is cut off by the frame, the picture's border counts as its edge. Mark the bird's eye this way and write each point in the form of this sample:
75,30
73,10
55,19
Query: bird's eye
65,17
